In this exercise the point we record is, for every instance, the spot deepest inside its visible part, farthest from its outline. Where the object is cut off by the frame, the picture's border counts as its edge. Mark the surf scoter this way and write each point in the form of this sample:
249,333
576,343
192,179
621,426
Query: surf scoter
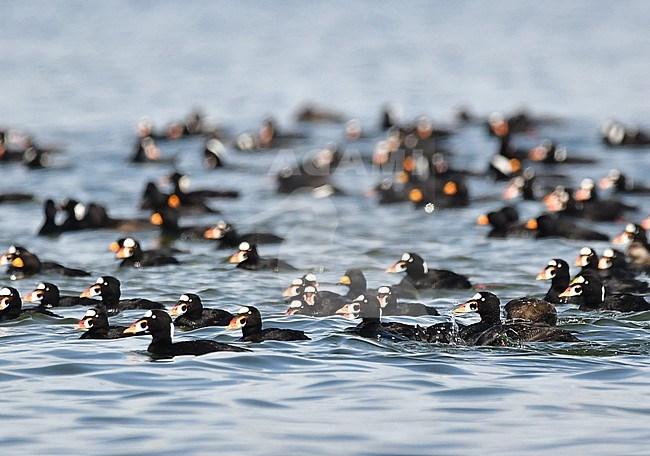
49,296
504,223
616,134
191,314
248,258
620,183
228,236
390,305
614,264
108,288
95,323
588,260
547,225
590,286
420,277
159,324
23,263
557,271
551,153
133,256
299,284
167,218
354,279
369,310
492,331
49,226
11,306
638,248
249,319
181,183
320,303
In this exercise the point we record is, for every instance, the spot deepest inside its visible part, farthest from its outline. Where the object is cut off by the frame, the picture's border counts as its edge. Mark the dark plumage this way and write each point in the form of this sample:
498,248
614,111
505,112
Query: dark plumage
419,276
191,314
551,226
11,306
492,331
159,324
354,279
249,319
133,256
228,236
23,263
390,305
108,288
557,271
531,309
49,295
590,286
95,322
248,258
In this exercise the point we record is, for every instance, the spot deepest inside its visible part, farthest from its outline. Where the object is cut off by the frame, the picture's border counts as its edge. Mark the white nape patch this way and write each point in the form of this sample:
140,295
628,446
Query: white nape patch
406,257
244,246
602,293
383,290
585,251
99,280
425,267
79,211
609,253
129,242
629,228
184,298
310,277
148,314
552,263
12,249
91,313
41,286
243,310
296,303
184,183
171,331
5,292
309,289
477,296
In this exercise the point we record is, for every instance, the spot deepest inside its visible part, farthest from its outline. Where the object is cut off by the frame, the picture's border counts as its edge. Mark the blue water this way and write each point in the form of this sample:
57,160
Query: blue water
80,75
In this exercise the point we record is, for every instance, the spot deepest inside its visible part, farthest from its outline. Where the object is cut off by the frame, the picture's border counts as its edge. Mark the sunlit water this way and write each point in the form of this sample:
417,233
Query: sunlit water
81,75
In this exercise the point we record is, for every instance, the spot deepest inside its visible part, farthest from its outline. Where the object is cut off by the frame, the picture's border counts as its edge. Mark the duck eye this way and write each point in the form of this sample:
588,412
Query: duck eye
183,308
356,308
89,322
473,306
143,325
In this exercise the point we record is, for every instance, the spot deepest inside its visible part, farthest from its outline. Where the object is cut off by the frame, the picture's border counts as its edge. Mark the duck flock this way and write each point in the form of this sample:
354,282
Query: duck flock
417,165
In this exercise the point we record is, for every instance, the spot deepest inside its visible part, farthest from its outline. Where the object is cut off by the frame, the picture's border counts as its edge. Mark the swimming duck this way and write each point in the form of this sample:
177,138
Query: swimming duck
95,323
248,258
249,320
159,324
590,286
108,288
419,276
191,314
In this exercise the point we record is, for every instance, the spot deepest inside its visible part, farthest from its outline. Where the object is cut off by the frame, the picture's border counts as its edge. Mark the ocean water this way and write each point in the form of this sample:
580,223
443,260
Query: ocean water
80,75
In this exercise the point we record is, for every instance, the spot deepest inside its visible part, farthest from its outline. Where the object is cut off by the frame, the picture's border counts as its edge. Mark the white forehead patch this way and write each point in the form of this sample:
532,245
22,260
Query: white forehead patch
296,282
406,257
41,286
244,246
629,228
360,298
383,290
609,253
585,251
243,310
310,289
91,313
148,314
184,298
5,292
129,242
579,279
477,296
12,249
552,263
295,304
99,280
221,225
310,277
